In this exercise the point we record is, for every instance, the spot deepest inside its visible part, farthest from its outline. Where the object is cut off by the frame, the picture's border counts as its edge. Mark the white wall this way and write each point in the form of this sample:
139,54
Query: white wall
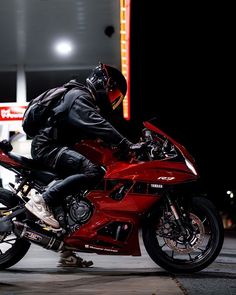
20,146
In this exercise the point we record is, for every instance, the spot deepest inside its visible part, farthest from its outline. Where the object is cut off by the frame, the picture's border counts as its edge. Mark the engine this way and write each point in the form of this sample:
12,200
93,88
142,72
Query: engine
78,212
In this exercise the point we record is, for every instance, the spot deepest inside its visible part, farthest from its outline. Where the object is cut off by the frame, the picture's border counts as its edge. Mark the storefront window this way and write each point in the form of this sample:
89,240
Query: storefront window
8,87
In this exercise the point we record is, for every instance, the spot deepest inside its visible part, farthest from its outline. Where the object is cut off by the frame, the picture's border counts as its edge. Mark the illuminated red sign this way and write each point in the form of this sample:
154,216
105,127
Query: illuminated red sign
11,113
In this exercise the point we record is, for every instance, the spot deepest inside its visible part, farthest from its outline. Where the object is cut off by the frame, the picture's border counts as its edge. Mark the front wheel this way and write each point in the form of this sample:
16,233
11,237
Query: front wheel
12,249
192,251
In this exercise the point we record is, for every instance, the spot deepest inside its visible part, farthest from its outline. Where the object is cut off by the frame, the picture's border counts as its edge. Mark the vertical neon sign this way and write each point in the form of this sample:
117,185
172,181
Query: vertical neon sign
125,51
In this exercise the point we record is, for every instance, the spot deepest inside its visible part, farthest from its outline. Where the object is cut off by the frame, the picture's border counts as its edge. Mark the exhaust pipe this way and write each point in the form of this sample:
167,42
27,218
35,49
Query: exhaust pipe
37,236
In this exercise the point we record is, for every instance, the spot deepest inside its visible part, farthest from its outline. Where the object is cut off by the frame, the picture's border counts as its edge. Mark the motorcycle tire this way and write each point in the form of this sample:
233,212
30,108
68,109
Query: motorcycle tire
12,249
175,254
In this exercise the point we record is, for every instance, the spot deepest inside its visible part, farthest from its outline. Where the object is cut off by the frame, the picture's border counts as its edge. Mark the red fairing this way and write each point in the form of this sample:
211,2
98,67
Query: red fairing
96,151
106,212
155,172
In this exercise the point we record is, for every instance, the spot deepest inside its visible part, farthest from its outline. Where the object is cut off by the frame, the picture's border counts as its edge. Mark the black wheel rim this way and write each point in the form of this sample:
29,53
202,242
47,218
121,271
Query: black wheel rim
195,246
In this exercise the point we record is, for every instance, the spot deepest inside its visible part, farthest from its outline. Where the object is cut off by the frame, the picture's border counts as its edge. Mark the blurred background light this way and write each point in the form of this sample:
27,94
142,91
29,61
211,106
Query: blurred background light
63,47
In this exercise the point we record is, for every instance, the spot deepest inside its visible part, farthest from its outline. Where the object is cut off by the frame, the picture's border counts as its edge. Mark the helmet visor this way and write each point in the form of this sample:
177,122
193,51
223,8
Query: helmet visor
116,97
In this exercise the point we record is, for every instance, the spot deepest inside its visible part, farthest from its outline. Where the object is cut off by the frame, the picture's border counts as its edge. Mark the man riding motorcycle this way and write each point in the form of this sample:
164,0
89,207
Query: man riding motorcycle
53,145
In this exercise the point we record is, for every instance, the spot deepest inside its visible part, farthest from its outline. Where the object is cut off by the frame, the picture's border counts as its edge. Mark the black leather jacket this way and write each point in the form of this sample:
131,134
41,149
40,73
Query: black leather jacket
77,117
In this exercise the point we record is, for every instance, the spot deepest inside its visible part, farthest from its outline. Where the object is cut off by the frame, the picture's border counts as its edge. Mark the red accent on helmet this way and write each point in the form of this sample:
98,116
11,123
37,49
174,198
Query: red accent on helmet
116,85
111,80
116,97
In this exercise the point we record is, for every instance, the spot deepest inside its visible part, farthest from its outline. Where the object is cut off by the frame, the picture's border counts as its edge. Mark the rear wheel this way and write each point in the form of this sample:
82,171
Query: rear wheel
190,252
12,248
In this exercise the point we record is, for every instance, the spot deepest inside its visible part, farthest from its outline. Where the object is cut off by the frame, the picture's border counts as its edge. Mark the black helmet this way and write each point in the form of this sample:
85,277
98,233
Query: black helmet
108,82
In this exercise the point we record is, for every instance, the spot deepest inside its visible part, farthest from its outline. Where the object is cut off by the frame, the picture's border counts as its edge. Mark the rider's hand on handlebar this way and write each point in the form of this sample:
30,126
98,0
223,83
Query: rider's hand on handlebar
137,149
127,150
122,149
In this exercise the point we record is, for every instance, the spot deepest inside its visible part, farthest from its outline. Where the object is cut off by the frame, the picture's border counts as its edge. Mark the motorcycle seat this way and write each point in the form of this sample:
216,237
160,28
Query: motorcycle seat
43,173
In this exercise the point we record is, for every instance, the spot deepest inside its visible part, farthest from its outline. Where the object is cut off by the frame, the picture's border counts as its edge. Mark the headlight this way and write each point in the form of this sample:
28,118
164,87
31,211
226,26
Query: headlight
190,166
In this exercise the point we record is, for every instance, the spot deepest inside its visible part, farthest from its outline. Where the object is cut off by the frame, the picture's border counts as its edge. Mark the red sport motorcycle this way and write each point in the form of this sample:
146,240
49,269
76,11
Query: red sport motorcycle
151,190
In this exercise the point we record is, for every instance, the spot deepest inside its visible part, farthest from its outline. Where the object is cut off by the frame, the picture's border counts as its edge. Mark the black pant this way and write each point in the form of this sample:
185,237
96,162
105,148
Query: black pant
77,173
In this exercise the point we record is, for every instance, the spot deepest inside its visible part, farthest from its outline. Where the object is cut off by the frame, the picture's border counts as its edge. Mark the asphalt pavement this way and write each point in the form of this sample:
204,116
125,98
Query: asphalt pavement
37,273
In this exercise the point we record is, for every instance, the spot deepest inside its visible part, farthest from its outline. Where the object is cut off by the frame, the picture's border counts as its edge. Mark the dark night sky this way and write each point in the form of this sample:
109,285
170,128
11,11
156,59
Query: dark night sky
183,73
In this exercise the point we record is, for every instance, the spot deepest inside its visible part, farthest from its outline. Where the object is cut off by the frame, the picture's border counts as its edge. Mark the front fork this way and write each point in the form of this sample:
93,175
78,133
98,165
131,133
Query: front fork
175,210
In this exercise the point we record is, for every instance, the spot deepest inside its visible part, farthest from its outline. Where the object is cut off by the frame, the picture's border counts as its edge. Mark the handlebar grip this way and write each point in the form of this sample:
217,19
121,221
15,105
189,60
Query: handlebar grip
6,146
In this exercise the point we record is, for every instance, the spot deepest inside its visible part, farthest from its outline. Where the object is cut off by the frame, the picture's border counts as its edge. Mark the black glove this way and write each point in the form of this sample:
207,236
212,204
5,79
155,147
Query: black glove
124,145
122,152
127,148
